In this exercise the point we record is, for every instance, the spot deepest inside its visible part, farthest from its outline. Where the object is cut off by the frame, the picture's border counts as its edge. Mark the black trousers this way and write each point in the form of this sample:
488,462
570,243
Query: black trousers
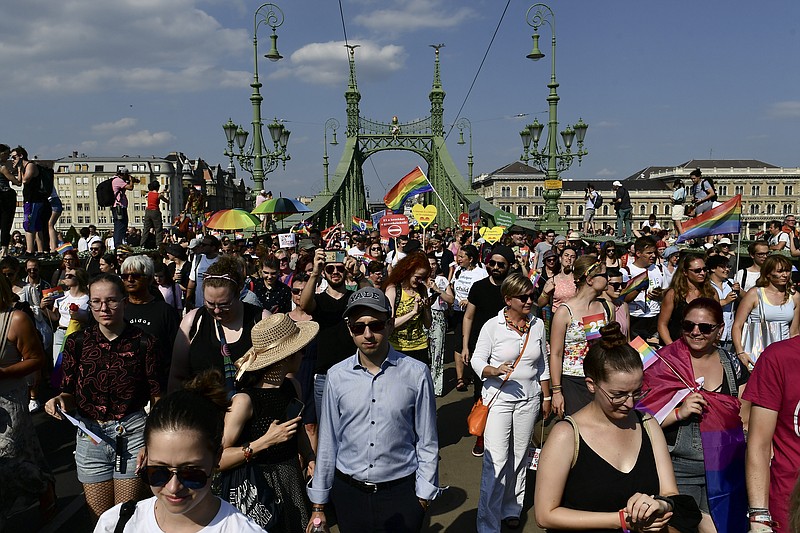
392,510
8,208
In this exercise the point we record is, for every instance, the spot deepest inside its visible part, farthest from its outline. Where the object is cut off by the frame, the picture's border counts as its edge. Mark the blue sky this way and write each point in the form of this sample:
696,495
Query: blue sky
658,82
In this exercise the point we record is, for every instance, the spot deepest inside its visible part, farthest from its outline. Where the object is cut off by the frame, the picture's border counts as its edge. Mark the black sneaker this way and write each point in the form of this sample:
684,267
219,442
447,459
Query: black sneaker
477,450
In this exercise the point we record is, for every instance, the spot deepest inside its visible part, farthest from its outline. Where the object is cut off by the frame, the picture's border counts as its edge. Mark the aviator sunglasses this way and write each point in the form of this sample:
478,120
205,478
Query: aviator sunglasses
158,476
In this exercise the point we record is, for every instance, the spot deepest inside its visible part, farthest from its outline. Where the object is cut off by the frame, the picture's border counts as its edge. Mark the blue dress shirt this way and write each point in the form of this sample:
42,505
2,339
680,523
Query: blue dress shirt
378,428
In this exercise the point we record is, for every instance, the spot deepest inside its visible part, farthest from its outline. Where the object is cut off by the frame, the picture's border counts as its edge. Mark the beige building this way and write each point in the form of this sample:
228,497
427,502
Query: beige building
767,191
77,176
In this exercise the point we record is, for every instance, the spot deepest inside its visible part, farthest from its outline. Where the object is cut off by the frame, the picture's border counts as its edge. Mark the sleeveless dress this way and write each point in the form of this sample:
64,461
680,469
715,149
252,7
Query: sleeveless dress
204,350
782,314
24,473
411,336
581,489
279,464
576,394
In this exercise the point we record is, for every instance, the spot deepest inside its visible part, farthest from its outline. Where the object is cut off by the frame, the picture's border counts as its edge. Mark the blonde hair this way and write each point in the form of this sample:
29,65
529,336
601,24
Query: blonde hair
514,285
771,265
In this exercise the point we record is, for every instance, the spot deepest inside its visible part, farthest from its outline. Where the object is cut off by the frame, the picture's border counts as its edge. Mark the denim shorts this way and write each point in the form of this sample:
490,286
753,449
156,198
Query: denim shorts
96,462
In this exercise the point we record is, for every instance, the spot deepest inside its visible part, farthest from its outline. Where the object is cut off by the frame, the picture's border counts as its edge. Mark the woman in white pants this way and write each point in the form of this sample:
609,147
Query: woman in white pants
516,406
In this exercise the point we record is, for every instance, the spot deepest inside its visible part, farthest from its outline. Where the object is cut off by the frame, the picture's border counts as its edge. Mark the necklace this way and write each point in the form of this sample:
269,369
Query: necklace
522,330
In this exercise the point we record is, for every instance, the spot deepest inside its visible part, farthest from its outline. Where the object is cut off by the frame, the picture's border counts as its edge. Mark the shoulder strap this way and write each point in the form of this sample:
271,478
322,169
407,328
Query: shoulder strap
606,308
125,514
398,295
4,327
568,309
577,435
727,361
524,345
198,316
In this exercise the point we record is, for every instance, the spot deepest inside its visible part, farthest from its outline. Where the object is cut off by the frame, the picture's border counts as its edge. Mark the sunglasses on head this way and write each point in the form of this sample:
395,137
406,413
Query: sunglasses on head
524,298
705,328
330,269
375,326
158,476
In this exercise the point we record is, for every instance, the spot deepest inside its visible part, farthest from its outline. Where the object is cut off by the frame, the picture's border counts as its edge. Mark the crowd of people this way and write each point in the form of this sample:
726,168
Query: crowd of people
248,386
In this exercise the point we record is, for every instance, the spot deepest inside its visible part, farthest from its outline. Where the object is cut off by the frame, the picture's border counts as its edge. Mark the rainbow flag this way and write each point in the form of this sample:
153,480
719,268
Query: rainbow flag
646,352
670,379
639,283
64,248
301,228
360,224
413,183
723,219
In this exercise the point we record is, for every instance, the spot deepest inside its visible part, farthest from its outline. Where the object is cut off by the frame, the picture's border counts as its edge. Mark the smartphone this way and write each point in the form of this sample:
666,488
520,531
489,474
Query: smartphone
294,409
334,256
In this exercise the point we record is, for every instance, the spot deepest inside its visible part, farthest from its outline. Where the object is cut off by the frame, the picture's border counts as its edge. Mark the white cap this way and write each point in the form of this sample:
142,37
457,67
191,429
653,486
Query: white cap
724,240
617,183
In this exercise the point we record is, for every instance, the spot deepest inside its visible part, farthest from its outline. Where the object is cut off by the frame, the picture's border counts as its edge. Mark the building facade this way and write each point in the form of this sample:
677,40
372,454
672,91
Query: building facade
767,191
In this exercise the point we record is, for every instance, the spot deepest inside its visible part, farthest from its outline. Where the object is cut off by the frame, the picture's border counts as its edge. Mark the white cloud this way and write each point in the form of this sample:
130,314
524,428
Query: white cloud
605,172
326,63
787,109
141,139
87,46
121,124
605,124
411,15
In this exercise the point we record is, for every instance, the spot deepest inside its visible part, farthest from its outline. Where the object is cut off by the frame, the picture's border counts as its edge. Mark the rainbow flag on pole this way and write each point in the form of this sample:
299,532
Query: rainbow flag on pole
723,219
413,183
64,248
360,224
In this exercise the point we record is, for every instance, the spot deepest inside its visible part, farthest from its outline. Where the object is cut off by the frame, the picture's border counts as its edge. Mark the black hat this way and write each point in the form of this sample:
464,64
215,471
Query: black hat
504,251
177,250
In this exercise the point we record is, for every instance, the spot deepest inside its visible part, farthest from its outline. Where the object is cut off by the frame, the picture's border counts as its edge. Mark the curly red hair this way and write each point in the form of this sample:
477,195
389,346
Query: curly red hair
406,268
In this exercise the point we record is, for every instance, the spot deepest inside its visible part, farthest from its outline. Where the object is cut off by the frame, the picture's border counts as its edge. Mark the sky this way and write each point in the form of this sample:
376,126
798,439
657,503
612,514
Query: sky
658,83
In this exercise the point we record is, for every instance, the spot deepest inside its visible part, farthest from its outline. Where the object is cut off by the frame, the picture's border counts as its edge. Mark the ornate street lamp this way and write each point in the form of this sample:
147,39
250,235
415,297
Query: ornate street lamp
330,124
461,124
259,160
552,158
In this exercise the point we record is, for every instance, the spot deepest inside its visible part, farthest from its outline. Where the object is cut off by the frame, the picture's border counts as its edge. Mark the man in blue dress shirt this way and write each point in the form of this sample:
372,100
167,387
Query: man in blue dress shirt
377,458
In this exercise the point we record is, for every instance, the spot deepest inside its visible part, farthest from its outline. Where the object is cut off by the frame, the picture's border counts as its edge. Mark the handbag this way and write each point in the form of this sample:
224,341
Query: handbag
759,335
246,489
476,419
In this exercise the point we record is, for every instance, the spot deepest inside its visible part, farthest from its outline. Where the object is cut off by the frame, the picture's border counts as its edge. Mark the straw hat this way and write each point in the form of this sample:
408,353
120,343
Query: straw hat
274,339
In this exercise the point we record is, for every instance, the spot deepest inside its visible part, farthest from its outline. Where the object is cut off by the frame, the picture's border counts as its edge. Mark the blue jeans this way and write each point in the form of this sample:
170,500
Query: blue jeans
120,216
624,216
319,390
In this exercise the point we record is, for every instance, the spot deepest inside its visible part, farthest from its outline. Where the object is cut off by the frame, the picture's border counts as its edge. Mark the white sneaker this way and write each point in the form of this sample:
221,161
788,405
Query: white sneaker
34,405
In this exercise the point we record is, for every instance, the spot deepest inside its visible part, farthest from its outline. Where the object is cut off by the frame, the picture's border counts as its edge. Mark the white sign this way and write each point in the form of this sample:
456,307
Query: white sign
475,213
287,240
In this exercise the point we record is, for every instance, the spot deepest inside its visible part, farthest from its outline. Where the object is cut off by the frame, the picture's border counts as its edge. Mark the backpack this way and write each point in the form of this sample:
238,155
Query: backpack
598,200
104,193
46,179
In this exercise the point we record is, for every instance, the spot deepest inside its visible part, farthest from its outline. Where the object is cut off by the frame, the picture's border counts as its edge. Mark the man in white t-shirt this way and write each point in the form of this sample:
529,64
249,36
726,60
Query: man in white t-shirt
779,239
747,277
646,304
359,246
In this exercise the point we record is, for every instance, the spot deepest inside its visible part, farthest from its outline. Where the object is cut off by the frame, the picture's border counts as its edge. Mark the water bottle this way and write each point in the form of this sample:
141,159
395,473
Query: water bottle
318,527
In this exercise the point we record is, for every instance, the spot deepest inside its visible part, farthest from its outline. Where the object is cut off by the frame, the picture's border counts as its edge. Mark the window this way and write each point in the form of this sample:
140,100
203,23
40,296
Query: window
63,169
771,190
605,209
87,207
537,191
538,210
755,190
80,220
787,190
568,210
655,209
666,210
522,192
580,210
753,209
506,207
642,209
80,207
770,209
156,168
787,209
99,168
138,220
739,189
522,210
505,192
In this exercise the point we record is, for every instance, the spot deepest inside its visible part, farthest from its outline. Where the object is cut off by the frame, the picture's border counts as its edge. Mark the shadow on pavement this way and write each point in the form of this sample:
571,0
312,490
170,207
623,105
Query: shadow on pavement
451,420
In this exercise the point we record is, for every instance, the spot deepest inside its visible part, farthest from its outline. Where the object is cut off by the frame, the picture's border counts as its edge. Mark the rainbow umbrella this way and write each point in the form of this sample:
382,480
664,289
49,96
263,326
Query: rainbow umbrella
280,206
232,219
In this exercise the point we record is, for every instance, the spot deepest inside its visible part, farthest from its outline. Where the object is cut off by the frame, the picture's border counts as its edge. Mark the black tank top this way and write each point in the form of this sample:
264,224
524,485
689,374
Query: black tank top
595,485
204,351
674,323
269,405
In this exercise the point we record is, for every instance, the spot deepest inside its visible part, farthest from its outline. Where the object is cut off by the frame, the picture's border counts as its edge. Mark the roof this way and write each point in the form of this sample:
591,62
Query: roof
517,167
726,163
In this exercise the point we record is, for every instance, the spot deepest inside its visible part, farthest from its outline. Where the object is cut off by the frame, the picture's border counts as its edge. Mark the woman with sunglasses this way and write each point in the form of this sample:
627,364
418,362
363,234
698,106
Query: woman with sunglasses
775,294
568,339
407,291
692,425
68,260
607,440
690,281
183,446
72,304
560,287
224,322
110,374
510,347
622,313
375,252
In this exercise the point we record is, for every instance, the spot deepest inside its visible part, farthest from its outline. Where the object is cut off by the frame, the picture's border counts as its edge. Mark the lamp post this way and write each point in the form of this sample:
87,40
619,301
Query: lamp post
330,124
551,159
461,124
258,160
